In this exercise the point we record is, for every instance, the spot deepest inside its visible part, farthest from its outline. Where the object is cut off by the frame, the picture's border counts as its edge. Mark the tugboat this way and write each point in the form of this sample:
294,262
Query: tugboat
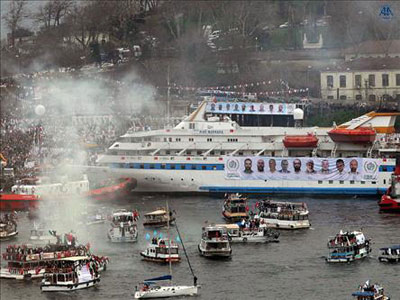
235,208
161,250
370,292
347,247
390,254
158,218
8,227
123,226
283,215
215,242
70,274
390,202
248,234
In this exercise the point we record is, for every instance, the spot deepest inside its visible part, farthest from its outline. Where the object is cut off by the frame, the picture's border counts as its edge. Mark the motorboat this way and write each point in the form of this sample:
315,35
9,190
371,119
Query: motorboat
250,234
390,202
158,218
235,208
347,247
76,273
283,215
123,227
161,250
300,141
150,288
390,254
370,292
8,227
215,242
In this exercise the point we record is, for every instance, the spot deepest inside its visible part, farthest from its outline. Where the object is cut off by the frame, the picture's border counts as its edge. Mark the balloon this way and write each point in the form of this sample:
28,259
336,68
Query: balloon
40,110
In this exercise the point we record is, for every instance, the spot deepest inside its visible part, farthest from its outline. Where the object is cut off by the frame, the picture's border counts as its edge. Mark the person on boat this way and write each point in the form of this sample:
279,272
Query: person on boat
194,280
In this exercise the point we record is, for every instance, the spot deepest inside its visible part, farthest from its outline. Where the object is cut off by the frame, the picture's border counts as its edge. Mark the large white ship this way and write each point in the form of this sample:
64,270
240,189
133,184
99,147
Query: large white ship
209,152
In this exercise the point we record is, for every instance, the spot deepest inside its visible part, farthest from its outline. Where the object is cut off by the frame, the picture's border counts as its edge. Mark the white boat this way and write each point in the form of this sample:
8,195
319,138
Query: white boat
370,292
210,154
158,218
283,215
123,227
161,250
257,234
8,231
347,247
390,254
76,273
215,242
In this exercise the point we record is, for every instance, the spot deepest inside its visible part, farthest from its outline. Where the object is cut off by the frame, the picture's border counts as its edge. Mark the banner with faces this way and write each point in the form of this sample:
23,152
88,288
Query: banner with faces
250,108
302,168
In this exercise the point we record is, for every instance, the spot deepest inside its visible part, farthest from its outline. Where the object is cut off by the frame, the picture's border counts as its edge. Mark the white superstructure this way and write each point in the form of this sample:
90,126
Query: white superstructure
194,155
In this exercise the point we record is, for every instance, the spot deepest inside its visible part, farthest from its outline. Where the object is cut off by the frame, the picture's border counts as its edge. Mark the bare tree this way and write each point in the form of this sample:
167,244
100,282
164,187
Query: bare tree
14,16
52,12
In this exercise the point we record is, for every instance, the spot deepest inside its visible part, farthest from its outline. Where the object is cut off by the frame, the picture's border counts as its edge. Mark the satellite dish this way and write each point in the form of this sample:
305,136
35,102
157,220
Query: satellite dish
40,110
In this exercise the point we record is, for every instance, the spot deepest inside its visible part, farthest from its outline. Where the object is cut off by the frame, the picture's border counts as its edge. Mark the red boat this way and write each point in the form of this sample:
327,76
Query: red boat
122,187
390,202
361,135
300,141
10,202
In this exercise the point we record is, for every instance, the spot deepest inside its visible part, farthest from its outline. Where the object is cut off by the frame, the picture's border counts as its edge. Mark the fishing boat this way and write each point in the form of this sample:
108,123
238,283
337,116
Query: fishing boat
151,288
370,292
235,208
112,189
75,273
390,254
215,242
300,141
347,247
161,250
123,226
240,234
238,151
390,202
283,215
158,218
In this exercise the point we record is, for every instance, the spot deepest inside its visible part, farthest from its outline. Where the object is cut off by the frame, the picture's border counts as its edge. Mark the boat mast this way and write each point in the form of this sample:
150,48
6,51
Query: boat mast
184,250
169,243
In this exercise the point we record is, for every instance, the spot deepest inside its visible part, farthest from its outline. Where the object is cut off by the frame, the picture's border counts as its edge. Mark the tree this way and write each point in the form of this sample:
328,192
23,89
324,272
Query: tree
52,12
14,16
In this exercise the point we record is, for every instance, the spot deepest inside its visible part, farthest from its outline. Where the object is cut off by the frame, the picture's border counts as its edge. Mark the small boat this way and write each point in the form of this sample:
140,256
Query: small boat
347,247
235,208
360,135
300,141
123,226
390,202
390,254
150,289
247,234
215,242
283,215
161,250
76,273
41,236
370,292
113,189
8,227
158,218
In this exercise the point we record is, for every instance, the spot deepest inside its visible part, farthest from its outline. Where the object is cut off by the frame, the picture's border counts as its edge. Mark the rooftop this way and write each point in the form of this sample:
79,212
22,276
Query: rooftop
375,47
366,64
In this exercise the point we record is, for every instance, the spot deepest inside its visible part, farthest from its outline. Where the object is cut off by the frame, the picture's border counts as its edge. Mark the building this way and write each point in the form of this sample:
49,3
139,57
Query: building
365,79
373,49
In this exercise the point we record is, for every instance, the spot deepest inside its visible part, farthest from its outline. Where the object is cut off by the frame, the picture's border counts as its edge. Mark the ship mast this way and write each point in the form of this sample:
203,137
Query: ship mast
169,243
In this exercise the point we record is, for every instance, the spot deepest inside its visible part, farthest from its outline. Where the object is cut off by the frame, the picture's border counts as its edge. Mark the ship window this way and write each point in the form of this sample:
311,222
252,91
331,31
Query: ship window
330,97
181,179
373,182
371,79
329,81
319,181
330,181
214,167
191,125
191,139
384,181
342,80
241,153
358,97
142,166
341,181
172,167
162,166
343,97
351,181
384,168
170,139
209,140
151,166
188,152
165,139
362,182
178,139
183,167
192,179
167,152
198,152
222,152
203,167
385,79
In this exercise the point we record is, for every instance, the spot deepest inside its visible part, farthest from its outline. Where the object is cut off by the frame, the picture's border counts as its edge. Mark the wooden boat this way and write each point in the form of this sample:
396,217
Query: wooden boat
300,141
370,292
158,218
348,246
235,208
161,250
390,254
361,135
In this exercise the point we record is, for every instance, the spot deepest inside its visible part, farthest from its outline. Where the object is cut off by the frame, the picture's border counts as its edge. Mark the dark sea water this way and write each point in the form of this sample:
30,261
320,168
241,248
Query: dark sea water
292,269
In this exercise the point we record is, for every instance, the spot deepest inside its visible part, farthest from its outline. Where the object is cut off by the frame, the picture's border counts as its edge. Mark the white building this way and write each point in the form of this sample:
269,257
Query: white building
366,79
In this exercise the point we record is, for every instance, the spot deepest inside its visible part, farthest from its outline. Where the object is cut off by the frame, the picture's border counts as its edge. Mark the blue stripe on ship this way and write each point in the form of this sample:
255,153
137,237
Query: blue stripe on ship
294,190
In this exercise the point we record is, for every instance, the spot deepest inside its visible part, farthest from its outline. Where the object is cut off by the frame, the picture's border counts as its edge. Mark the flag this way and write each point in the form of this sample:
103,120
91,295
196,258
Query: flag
161,235
178,240
154,232
147,236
